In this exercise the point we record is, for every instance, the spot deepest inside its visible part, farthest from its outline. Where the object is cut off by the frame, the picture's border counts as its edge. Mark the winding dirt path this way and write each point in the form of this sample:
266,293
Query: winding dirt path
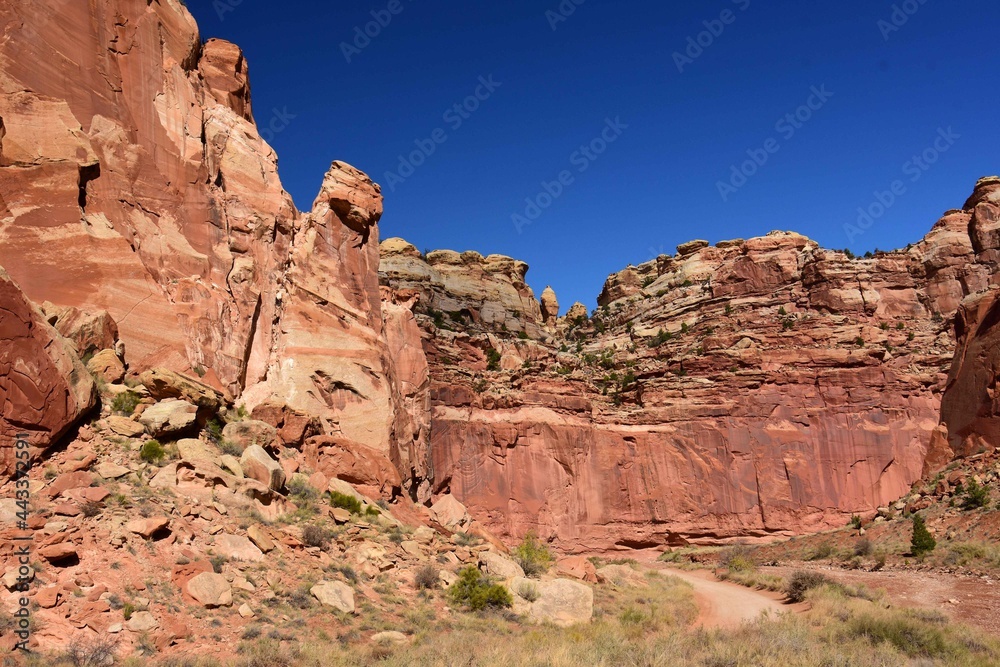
726,605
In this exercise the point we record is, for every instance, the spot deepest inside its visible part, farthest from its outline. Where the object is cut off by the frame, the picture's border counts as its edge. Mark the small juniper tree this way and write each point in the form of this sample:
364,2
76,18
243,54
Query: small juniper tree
923,542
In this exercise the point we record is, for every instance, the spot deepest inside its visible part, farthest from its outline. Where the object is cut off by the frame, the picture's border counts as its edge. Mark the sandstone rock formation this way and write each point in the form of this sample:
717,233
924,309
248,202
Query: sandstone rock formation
464,287
756,387
44,386
135,187
970,409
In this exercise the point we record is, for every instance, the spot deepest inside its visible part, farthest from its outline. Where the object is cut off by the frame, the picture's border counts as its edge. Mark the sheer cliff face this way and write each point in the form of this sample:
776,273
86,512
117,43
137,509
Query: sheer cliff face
133,180
746,389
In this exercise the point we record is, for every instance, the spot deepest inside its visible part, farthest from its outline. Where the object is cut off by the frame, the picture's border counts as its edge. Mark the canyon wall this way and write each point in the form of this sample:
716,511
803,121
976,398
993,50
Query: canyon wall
134,181
751,388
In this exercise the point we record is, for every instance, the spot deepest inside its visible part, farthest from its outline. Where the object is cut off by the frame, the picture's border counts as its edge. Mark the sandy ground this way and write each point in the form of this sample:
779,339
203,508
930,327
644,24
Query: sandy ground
725,605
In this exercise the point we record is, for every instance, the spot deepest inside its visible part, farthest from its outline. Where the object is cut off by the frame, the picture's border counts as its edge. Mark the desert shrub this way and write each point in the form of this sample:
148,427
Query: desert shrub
533,556
976,496
426,578
528,591
90,509
96,653
301,491
803,581
230,447
738,558
263,653
475,591
863,547
466,539
214,430
152,451
492,360
316,536
217,562
823,551
906,633
856,522
125,403
346,502
372,510
922,541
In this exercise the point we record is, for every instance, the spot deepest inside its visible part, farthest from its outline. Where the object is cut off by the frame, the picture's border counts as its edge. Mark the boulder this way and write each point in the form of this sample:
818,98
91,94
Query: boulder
148,528
390,637
237,547
496,565
210,590
163,384
107,366
260,538
334,594
171,417
191,449
257,464
450,513
141,621
561,602
577,567
111,470
249,432
123,426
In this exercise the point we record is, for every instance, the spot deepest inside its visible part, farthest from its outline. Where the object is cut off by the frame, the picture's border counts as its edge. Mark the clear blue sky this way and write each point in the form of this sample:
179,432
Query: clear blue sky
657,184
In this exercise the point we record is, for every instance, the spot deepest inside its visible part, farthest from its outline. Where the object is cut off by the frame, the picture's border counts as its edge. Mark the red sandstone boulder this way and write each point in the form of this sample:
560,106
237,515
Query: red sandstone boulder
44,386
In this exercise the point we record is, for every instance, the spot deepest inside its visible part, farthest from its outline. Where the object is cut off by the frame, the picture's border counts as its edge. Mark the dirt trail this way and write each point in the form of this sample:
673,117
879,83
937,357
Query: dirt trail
725,605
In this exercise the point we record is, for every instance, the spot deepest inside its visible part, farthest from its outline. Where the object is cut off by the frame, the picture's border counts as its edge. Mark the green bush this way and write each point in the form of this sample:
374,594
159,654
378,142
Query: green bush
533,556
976,496
922,542
346,502
152,451
492,360
856,522
738,558
474,591
125,403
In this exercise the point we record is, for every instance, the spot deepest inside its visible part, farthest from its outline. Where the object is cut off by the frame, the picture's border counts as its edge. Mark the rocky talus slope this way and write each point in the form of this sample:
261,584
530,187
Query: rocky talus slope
751,388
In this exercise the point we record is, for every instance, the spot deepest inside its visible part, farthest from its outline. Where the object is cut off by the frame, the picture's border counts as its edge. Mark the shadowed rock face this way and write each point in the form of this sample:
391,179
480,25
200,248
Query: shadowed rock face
133,180
971,404
44,387
790,387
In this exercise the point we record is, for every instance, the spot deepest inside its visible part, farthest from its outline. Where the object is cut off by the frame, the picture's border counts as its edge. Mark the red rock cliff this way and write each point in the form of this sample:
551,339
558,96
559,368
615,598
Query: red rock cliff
134,180
744,389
